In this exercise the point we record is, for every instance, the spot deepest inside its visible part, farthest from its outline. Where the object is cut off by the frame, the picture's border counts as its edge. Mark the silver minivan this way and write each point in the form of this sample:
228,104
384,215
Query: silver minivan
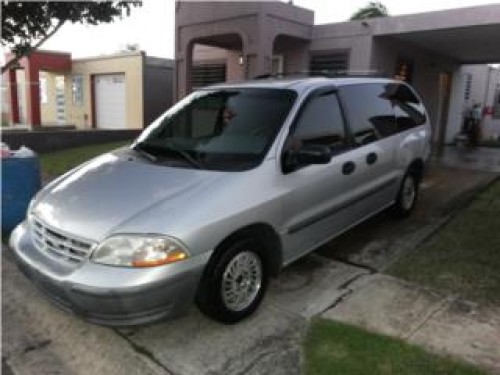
230,185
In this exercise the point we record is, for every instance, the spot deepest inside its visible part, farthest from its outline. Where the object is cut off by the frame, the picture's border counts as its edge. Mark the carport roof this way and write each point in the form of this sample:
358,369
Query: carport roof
467,35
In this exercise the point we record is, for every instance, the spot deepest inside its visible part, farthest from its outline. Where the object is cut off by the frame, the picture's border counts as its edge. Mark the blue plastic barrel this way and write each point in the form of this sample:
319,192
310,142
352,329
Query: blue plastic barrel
20,182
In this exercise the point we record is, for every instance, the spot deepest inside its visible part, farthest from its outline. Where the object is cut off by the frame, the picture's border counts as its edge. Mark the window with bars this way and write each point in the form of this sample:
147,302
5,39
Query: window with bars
207,74
334,62
77,89
468,85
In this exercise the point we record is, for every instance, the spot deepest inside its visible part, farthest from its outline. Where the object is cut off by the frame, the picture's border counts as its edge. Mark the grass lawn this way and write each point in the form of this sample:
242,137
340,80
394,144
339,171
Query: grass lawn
335,348
464,256
56,163
490,143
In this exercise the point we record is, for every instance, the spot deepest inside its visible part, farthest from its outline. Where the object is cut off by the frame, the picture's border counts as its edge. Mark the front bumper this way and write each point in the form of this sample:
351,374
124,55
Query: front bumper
107,295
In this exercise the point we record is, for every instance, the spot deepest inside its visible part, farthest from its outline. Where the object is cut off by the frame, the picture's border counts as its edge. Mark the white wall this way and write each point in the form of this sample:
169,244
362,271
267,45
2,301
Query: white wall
456,105
485,80
491,125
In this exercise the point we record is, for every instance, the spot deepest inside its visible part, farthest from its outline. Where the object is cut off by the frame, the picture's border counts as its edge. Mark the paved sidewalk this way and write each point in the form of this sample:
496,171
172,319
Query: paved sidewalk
423,316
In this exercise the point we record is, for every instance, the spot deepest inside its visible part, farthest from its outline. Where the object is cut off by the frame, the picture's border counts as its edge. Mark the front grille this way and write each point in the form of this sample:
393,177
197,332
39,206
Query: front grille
57,244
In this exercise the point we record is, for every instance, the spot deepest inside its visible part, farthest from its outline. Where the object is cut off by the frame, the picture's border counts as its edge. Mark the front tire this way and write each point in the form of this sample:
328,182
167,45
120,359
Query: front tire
407,195
234,282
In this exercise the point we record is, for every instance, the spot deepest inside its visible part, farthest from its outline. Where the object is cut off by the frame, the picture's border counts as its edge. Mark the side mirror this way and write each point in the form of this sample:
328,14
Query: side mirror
306,155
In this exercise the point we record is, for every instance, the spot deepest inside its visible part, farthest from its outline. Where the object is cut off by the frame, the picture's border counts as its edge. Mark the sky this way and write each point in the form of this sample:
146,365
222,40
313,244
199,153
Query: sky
152,25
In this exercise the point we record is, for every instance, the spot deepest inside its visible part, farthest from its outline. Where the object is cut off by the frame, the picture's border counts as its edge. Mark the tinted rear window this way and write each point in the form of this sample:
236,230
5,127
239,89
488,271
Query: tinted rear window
388,108
369,110
408,110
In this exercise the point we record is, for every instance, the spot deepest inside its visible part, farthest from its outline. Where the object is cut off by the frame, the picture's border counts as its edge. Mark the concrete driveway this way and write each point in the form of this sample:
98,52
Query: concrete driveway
39,338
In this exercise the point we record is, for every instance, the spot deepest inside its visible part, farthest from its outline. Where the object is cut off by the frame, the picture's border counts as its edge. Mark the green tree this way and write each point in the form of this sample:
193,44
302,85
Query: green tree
27,25
372,10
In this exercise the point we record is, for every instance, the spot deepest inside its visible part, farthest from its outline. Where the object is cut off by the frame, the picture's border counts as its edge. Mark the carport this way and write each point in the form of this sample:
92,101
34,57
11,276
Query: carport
465,35
434,45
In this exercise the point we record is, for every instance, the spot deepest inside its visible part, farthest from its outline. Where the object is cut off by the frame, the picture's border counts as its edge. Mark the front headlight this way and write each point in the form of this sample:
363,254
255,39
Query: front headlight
130,250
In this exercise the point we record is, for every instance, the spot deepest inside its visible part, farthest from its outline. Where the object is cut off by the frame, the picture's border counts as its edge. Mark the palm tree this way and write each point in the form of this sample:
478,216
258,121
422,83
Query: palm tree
372,10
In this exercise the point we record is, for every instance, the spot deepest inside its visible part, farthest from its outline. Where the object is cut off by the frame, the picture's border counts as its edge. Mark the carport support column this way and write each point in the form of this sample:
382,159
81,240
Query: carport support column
184,64
260,49
259,60
33,96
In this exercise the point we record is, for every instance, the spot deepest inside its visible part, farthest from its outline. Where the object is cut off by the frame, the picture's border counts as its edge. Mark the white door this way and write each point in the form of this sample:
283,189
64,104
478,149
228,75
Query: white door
110,101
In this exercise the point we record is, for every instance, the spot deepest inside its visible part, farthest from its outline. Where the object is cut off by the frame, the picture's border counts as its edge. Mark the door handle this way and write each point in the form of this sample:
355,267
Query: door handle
371,158
348,167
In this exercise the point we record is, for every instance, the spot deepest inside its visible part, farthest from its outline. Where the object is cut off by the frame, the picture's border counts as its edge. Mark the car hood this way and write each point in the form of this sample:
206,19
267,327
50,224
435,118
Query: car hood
94,199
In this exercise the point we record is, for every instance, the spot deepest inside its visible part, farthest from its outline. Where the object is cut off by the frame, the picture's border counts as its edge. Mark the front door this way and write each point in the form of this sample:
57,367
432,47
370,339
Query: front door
314,206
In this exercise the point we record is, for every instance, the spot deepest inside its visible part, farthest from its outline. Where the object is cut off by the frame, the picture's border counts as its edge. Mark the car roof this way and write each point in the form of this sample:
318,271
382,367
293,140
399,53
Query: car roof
301,84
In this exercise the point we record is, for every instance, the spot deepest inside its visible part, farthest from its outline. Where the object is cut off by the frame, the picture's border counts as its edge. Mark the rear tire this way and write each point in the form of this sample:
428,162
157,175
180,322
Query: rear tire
234,282
407,195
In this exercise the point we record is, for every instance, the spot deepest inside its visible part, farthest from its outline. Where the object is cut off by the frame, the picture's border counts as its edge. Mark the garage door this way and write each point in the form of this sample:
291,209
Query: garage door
110,101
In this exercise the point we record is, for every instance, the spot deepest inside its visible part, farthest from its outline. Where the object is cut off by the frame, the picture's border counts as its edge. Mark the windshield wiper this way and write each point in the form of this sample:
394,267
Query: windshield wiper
195,163
144,153
141,148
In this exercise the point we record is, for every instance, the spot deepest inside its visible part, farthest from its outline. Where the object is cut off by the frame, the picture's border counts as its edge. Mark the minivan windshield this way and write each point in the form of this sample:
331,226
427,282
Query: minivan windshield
219,129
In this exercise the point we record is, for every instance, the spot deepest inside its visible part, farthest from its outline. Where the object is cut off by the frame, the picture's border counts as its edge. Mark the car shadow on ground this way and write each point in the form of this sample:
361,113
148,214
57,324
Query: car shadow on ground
382,239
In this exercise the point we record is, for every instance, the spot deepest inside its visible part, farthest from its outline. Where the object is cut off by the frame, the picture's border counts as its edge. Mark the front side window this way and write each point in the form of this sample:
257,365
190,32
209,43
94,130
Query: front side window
223,129
321,122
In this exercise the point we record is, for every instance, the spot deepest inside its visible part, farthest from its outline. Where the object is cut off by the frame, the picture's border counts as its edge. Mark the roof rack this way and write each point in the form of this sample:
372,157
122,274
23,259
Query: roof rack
323,73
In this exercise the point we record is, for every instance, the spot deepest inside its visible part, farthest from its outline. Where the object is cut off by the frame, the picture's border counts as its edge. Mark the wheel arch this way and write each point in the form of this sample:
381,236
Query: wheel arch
417,167
265,235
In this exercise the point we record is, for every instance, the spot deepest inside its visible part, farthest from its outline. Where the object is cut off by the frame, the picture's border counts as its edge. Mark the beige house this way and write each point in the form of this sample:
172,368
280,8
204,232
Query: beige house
121,91
103,91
